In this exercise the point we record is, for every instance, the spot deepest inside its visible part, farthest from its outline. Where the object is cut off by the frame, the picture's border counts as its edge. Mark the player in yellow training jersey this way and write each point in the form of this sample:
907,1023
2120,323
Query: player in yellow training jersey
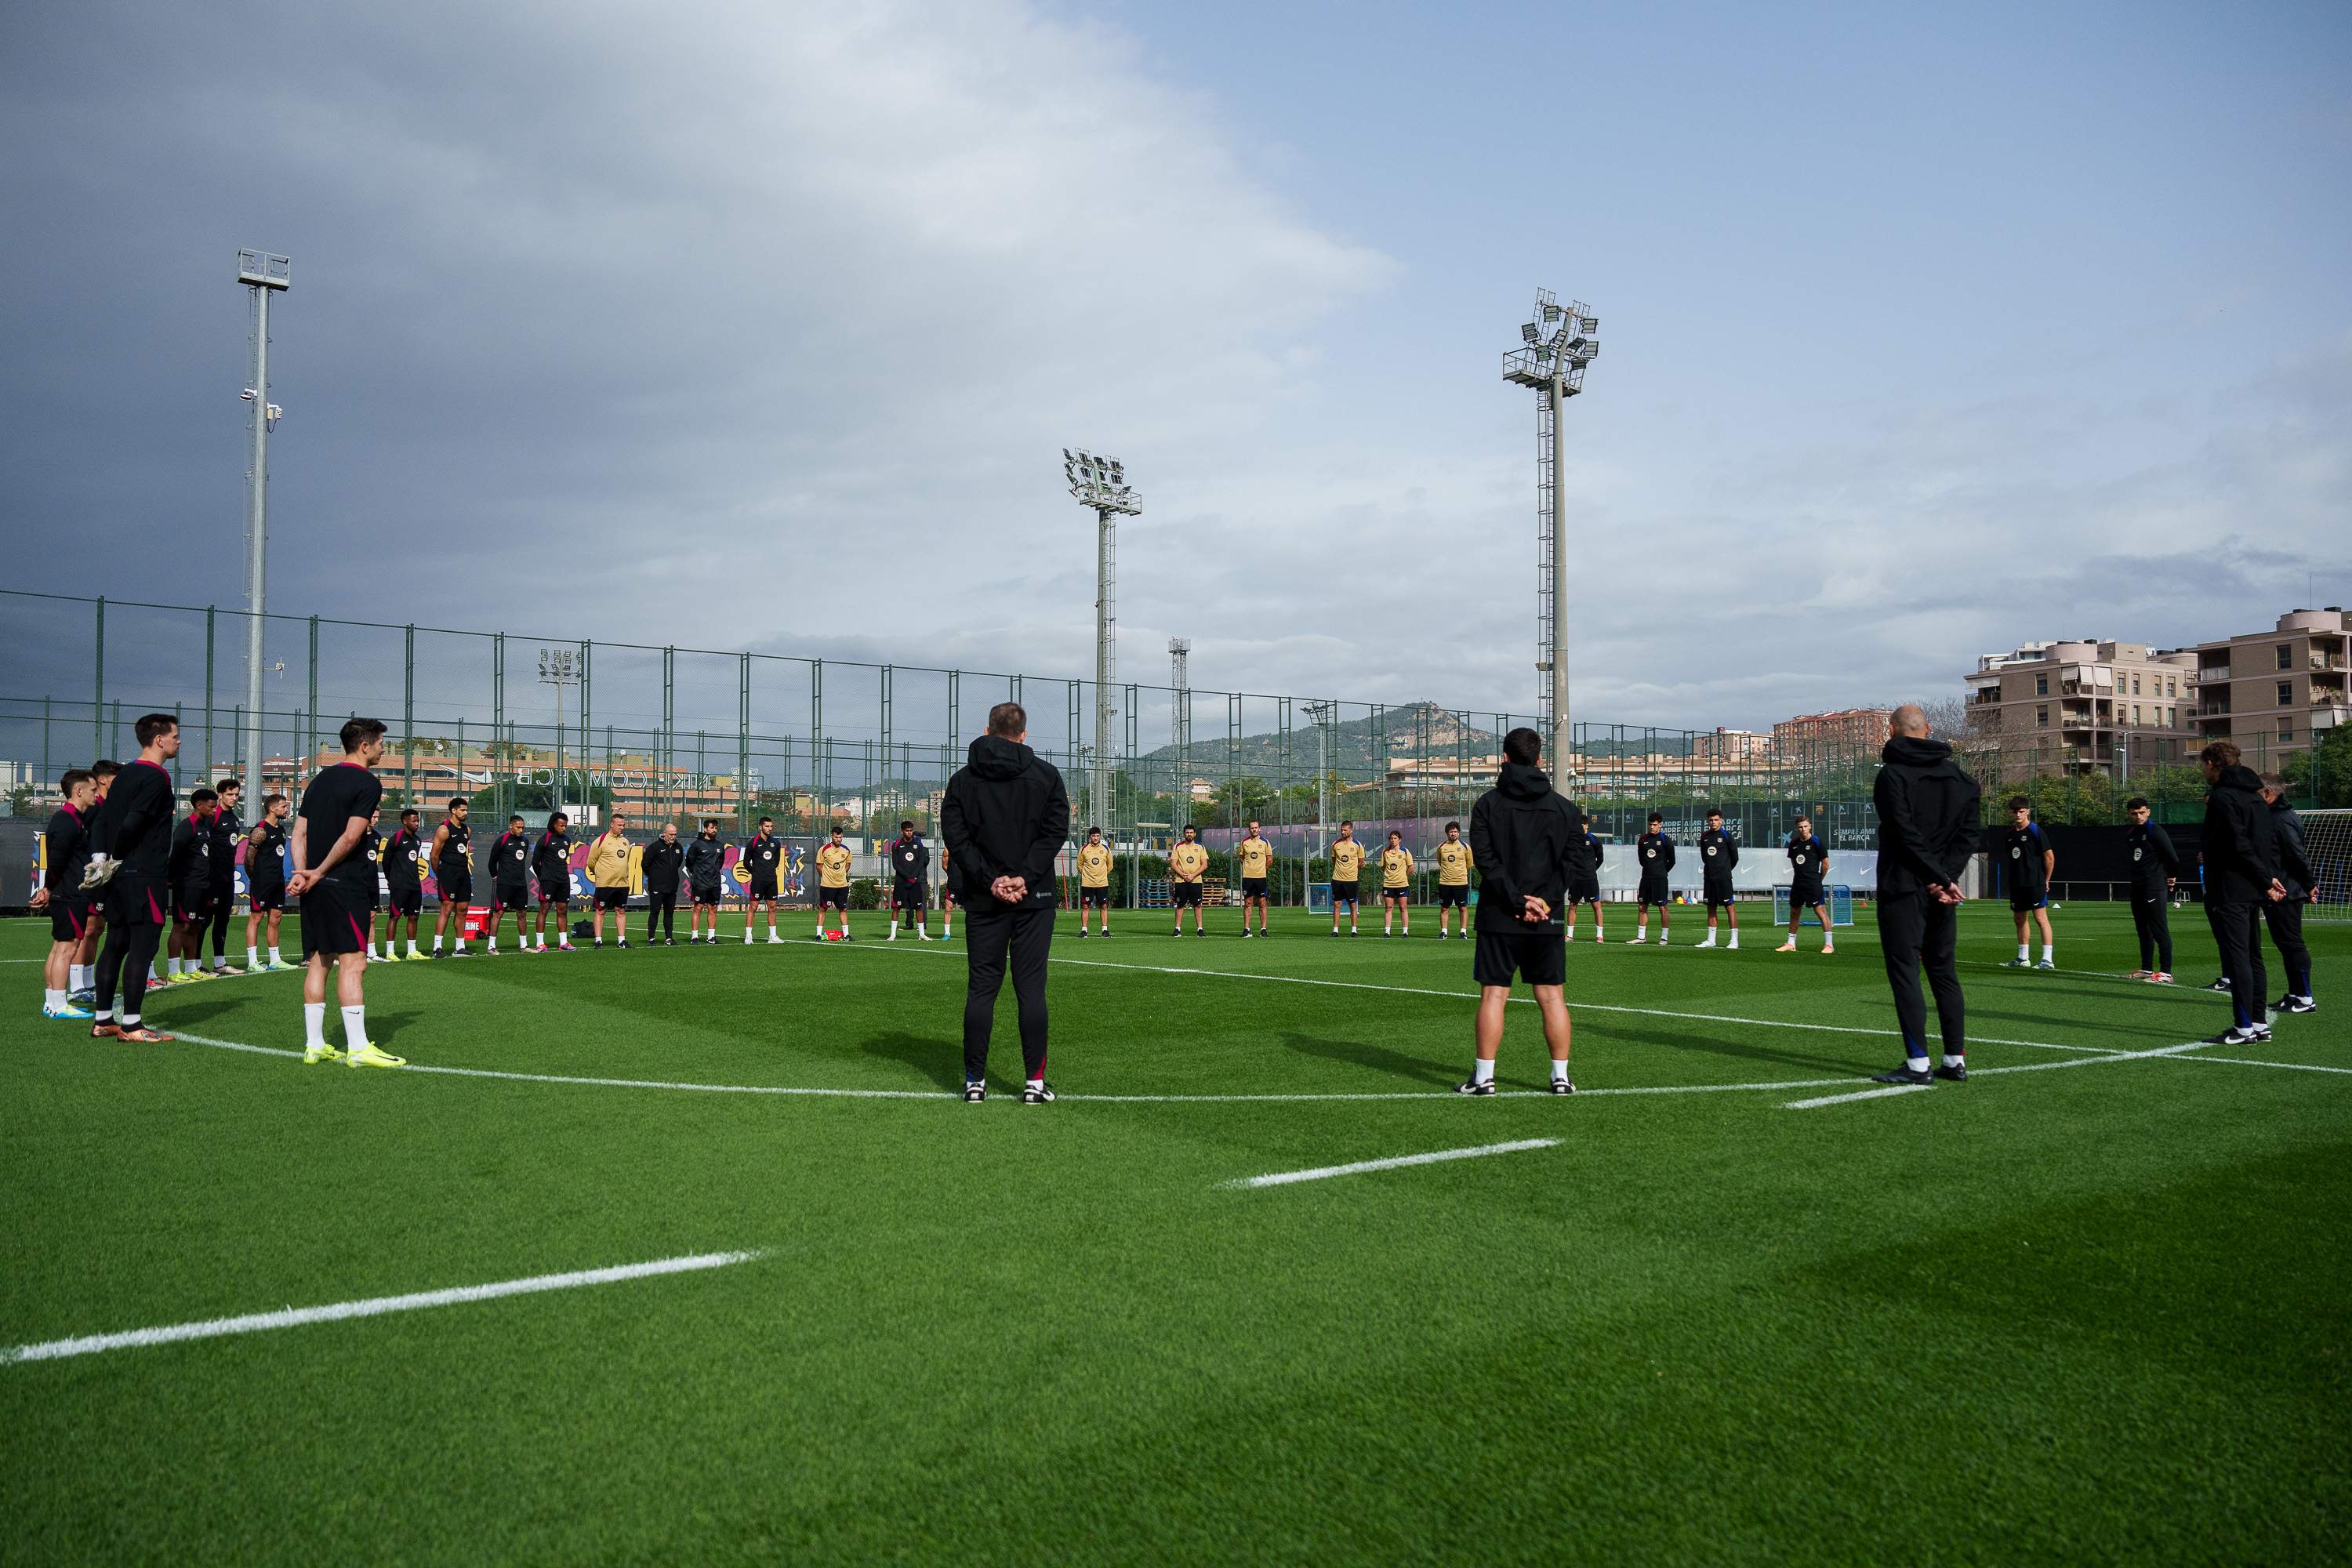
1255,856
1396,884
1453,863
1093,880
833,883
1347,866
1187,863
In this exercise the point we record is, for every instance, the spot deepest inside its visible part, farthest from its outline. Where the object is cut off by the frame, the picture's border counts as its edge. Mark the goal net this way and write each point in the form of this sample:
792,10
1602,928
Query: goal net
2328,844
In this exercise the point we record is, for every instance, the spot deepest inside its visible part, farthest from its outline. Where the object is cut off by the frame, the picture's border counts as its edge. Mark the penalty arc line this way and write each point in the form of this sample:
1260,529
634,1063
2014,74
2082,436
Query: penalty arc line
1985,1072
374,1306
1396,1163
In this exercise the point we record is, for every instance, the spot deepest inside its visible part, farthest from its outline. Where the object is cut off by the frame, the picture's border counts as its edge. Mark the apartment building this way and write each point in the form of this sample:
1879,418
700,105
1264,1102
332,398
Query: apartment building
2085,706
1849,731
2272,691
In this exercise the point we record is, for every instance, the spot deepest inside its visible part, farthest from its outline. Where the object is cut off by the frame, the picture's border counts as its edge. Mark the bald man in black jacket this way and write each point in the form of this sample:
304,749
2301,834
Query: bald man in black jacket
1929,813
2241,876
1528,841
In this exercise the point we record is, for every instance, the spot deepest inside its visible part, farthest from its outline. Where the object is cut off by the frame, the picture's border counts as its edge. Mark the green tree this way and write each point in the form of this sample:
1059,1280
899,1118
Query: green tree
2323,774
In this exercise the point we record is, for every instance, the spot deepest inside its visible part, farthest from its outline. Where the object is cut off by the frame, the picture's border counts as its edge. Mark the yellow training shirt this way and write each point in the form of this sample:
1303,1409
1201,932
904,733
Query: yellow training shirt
833,866
1187,862
1396,868
608,861
1347,859
1256,856
1453,865
1094,866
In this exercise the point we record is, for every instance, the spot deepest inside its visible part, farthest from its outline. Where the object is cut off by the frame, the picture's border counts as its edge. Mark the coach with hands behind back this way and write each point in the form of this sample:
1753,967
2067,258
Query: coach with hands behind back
1929,816
1004,819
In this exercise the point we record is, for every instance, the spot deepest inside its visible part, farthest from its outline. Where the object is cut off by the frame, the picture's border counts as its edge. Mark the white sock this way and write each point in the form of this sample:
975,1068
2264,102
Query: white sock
355,1026
370,947
2024,951
252,958
461,944
747,934
274,956
436,942
1036,1083
1916,1064
1482,1072
2049,952
79,979
314,1023
171,966
1560,1072
493,945
1952,1062
54,999
1735,939
412,947
542,941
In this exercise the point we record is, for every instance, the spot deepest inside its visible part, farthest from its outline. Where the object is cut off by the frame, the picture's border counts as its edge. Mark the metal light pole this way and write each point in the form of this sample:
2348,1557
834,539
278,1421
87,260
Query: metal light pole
1101,483
1559,343
265,274
1321,713
559,668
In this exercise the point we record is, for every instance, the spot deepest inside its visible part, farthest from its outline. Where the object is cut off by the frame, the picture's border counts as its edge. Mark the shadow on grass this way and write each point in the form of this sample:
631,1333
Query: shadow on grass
940,1061
1745,1051
1380,1059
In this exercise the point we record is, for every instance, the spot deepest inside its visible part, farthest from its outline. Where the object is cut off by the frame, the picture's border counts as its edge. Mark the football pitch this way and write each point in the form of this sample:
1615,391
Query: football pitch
1720,1305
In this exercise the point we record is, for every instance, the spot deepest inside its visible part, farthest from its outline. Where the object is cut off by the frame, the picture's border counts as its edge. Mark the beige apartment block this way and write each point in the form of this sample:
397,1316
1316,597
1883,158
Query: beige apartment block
2272,691
2085,706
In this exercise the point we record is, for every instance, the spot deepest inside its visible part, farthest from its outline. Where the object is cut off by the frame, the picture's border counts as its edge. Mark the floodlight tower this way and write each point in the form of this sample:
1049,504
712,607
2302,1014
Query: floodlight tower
1180,720
1101,483
1557,345
265,274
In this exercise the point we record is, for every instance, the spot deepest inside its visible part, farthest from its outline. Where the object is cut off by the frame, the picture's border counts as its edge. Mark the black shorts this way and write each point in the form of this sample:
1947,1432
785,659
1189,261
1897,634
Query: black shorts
68,918
1343,893
1185,894
1099,898
128,903
1449,897
192,901
555,890
407,900
334,920
265,897
456,890
763,887
1584,888
1805,895
1401,895
1540,958
611,898
909,896
513,898
1719,895
1654,891
832,898
709,896
1253,887
2023,900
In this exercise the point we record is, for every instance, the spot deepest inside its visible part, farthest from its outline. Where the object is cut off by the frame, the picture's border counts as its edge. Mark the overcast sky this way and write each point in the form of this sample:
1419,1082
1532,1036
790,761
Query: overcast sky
761,325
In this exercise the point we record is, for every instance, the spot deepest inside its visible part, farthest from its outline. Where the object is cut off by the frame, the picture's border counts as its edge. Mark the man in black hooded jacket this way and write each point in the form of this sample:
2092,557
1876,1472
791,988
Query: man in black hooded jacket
1526,841
1929,813
2241,876
1005,818
2284,916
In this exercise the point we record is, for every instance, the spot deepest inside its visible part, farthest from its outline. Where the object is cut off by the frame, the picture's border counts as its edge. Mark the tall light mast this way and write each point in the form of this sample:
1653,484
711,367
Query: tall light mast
1558,343
265,274
1101,483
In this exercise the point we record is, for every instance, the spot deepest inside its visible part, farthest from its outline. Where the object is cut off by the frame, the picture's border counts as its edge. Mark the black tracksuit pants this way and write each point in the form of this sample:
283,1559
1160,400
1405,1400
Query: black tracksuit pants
2152,917
223,907
128,956
2286,920
1915,932
661,912
2238,932
991,936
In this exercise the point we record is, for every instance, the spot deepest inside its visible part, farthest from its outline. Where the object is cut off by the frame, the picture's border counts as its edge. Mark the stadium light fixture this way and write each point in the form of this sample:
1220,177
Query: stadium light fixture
1559,343
1101,483
265,273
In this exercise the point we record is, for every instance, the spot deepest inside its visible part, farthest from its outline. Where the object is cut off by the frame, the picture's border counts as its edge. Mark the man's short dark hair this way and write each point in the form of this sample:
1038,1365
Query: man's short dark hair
406,812
228,784
1523,746
73,780
2222,753
271,799
1008,718
455,801
202,797
1453,827
2137,803
1092,832
765,820
1190,829
151,725
558,816
103,770
1658,817
2019,803
709,821
516,817
906,822
1715,811
358,732
1347,821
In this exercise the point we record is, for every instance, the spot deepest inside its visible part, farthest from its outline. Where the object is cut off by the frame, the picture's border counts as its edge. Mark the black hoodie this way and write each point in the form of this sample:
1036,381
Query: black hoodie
1525,839
2295,865
2241,850
1929,813
1006,814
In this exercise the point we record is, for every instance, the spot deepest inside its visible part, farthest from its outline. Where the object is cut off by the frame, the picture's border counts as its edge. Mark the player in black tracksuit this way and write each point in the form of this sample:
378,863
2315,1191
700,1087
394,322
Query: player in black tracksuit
1525,840
510,858
759,866
2241,876
2302,883
1809,860
661,864
130,850
1005,818
1718,853
2155,866
550,867
192,887
1584,880
1655,853
404,879
66,852
1929,816
911,864
226,831
705,880
453,874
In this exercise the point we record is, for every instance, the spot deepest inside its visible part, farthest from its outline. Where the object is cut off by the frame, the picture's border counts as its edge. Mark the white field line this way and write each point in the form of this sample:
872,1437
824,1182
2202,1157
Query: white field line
604,1082
374,1306
1984,1072
1323,1173
1530,1001
2250,1062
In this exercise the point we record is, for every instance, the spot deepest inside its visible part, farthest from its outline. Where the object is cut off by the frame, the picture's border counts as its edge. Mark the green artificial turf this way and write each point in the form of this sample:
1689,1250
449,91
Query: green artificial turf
2094,1313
